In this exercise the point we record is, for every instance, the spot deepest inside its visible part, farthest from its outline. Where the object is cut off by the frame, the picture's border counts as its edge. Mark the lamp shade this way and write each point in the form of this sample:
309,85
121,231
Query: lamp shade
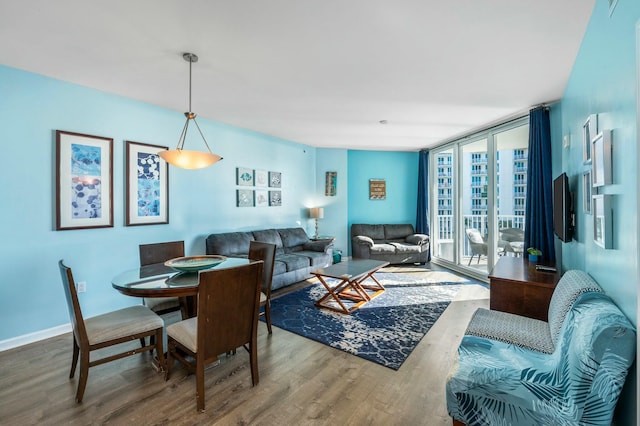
316,212
187,159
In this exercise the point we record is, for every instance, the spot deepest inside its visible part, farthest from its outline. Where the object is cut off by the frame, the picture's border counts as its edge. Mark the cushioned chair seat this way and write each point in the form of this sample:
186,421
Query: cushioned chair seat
160,304
185,332
127,321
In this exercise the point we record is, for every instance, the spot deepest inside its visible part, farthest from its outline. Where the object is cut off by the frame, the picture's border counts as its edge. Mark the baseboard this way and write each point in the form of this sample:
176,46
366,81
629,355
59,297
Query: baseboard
25,339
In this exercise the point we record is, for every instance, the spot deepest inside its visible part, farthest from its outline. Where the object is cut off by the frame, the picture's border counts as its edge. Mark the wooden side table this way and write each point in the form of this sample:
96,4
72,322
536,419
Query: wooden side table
517,287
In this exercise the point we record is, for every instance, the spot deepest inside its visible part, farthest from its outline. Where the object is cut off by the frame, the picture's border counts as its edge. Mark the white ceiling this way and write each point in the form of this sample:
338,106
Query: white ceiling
322,73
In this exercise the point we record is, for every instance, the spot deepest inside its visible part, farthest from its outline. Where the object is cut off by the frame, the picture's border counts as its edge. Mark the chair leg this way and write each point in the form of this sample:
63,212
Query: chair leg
74,360
169,362
159,349
478,262
267,315
200,385
84,372
143,343
253,359
470,259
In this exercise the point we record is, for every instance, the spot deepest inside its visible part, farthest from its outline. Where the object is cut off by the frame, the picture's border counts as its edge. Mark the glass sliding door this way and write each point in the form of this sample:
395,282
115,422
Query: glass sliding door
443,228
512,151
478,198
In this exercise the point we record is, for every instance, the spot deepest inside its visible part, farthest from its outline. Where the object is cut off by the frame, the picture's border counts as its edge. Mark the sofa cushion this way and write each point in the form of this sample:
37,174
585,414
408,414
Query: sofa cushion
294,262
406,248
292,237
316,258
229,244
279,267
383,249
375,232
394,232
270,236
417,239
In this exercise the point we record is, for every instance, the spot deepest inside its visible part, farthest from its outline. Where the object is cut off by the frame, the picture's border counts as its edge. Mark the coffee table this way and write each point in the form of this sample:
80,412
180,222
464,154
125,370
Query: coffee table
351,292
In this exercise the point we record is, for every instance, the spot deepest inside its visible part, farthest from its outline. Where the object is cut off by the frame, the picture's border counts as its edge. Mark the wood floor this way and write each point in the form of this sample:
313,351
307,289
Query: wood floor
301,383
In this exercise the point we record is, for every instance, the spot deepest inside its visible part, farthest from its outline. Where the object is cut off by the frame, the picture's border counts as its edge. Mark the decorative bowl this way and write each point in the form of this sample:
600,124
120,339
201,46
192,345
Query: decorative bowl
194,263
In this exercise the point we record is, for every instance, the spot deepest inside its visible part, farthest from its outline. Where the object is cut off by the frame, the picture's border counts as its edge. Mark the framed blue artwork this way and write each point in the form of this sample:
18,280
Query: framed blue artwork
84,181
147,185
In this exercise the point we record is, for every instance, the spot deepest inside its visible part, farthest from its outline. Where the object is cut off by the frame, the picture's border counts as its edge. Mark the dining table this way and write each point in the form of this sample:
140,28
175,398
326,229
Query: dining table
161,280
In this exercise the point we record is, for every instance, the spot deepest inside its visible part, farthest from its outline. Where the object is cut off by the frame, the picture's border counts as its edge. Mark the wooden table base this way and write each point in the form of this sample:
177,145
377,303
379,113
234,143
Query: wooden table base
350,289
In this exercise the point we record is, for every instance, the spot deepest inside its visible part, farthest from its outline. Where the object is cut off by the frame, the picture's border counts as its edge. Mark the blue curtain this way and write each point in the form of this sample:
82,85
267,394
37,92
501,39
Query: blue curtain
422,216
539,204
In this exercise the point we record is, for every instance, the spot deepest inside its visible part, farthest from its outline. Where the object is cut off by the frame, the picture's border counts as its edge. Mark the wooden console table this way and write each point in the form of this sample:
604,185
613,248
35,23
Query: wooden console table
517,287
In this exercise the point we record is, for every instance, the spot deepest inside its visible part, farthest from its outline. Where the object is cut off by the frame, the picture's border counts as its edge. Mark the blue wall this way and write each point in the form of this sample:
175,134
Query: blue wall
604,82
400,170
32,107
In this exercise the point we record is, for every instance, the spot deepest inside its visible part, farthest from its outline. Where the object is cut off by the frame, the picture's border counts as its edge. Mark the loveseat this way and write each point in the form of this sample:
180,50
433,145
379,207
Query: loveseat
516,370
296,254
392,243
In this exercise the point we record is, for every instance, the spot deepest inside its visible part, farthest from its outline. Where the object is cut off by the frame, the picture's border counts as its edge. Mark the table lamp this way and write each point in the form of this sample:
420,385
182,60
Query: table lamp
316,213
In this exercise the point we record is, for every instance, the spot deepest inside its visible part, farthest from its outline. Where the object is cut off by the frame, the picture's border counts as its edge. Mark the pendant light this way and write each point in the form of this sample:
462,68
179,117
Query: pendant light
183,158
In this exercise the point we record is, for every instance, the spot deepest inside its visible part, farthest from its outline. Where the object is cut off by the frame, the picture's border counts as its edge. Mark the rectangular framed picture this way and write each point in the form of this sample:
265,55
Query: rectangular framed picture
244,176
260,177
602,226
601,158
244,198
84,181
262,198
275,198
330,184
589,130
586,192
377,189
147,185
275,180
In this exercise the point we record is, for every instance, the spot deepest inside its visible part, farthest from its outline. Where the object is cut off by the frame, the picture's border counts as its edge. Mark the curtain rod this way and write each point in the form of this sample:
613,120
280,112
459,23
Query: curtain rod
501,122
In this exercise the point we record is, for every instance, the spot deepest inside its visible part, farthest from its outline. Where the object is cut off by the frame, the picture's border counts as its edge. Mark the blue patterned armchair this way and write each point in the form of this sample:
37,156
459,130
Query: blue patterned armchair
572,374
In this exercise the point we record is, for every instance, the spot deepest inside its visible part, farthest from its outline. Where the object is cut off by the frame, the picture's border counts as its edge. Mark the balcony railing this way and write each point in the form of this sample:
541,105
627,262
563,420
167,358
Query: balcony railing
445,227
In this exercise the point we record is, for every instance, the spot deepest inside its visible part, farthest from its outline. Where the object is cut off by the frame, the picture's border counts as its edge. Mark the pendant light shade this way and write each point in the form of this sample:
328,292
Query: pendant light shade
183,158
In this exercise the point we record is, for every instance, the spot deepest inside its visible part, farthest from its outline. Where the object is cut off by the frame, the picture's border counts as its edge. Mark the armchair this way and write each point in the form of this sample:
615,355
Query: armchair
477,244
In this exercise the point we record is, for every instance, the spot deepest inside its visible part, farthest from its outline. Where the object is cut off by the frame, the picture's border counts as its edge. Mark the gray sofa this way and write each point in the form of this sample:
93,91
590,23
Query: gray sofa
296,255
392,243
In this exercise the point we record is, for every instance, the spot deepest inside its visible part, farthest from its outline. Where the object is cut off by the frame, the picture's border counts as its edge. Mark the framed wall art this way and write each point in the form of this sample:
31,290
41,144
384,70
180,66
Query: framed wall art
244,198
275,179
84,181
261,197
589,131
602,226
147,185
377,189
275,198
586,192
244,176
331,184
601,158
260,177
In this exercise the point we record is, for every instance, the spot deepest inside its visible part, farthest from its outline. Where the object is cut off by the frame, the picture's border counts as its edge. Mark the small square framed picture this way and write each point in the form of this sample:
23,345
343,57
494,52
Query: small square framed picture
244,176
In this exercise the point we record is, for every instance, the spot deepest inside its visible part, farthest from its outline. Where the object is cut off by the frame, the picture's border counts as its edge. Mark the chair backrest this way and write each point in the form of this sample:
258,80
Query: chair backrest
228,303
75,314
474,236
160,252
267,253
572,284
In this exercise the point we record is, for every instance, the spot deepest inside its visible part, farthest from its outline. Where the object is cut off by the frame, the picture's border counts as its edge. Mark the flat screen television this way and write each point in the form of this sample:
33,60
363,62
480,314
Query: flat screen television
562,208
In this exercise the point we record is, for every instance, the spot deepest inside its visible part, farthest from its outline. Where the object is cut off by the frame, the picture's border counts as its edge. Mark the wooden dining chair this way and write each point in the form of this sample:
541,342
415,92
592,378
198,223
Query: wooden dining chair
267,253
110,329
159,253
228,303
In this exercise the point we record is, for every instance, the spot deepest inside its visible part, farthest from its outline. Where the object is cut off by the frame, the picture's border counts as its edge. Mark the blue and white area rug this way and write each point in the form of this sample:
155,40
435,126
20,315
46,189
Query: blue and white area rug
385,330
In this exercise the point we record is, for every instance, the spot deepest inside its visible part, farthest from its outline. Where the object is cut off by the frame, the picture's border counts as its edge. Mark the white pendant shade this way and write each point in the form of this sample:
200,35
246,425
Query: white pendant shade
187,159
